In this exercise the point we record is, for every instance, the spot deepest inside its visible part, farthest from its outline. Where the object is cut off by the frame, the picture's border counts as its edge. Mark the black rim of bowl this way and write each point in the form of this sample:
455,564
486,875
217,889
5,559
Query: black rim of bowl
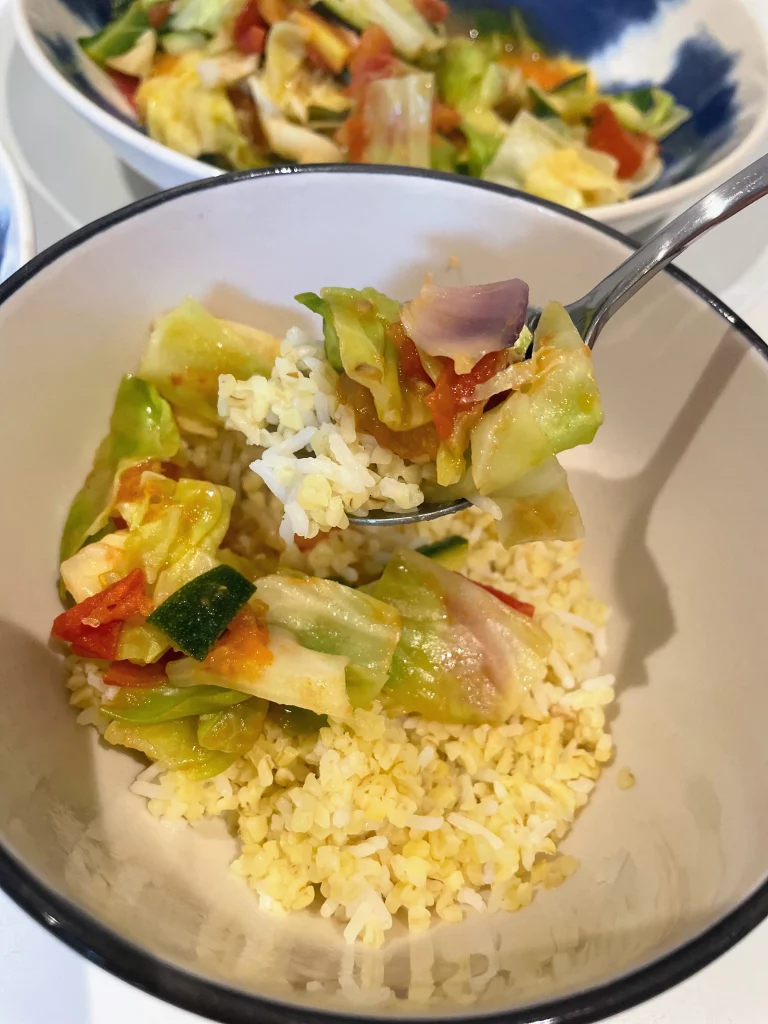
103,947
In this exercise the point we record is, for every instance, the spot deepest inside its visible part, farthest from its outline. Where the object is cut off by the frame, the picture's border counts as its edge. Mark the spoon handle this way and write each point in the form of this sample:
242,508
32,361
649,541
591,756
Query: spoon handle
593,311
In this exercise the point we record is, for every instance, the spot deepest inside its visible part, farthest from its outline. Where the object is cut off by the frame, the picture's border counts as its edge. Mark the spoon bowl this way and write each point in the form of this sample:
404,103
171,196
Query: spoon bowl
593,311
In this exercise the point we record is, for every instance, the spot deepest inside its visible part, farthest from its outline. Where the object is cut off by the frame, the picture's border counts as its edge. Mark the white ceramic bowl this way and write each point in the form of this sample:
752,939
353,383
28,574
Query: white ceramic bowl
712,53
675,503
17,234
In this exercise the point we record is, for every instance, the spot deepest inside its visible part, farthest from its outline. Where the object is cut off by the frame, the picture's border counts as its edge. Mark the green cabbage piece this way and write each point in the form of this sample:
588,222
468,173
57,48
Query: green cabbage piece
174,744
117,37
174,532
233,730
184,114
176,537
398,119
188,350
198,15
295,676
411,34
559,409
167,703
473,84
334,619
539,506
359,321
141,427
463,656
650,111
526,141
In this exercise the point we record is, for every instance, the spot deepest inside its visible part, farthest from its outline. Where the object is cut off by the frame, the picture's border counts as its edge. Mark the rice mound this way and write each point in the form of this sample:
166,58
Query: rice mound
296,408
377,819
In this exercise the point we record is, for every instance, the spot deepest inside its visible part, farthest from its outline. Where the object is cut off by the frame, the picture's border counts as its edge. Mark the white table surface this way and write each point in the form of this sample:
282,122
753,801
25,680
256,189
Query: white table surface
73,177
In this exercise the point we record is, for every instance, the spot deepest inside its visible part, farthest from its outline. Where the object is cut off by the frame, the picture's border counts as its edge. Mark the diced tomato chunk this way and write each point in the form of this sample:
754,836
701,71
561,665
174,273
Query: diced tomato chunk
435,11
158,14
125,673
93,627
455,391
607,135
444,118
252,40
249,32
520,606
127,85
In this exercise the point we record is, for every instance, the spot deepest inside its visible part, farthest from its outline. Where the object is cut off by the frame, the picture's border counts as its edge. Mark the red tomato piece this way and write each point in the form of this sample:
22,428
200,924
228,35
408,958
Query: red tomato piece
125,673
250,30
252,40
158,14
374,58
435,11
354,138
93,627
95,641
520,606
454,391
608,136
127,85
444,118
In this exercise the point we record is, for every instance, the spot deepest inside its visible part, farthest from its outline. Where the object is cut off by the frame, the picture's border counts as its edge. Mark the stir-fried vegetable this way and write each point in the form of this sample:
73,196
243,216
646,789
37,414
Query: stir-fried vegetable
195,616
175,744
167,703
118,36
359,323
411,33
252,82
196,119
93,627
141,428
189,348
296,721
233,730
466,324
559,409
328,617
291,674
464,655
398,120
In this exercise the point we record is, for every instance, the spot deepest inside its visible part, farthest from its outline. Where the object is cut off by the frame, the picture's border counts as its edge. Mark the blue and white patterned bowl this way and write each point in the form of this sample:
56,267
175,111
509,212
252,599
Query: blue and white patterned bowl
711,54
17,236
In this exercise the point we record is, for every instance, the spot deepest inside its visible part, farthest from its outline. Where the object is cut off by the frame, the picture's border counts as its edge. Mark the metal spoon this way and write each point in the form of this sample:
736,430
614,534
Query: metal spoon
592,312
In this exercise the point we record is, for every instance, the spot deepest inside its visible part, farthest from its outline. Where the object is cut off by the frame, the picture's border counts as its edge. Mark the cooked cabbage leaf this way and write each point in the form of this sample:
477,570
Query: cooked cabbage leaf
329,617
189,348
398,120
198,15
295,675
559,409
359,320
173,744
464,656
141,427
184,114
411,34
233,730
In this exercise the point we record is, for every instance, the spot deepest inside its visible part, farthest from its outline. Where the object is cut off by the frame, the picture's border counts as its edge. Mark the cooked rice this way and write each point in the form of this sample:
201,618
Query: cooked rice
378,818
296,410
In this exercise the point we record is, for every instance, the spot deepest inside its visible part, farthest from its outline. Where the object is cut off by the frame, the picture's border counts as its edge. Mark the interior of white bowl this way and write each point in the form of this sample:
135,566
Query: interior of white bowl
675,507
711,54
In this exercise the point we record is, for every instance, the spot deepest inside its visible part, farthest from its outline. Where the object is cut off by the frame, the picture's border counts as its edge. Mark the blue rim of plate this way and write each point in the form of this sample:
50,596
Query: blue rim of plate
191,992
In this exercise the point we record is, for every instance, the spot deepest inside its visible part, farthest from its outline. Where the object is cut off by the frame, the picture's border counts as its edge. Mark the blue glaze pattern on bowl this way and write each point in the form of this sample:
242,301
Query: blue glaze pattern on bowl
16,233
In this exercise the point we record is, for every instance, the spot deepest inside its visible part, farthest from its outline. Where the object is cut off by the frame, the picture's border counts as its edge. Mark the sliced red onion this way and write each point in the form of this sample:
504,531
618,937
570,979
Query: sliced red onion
467,323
